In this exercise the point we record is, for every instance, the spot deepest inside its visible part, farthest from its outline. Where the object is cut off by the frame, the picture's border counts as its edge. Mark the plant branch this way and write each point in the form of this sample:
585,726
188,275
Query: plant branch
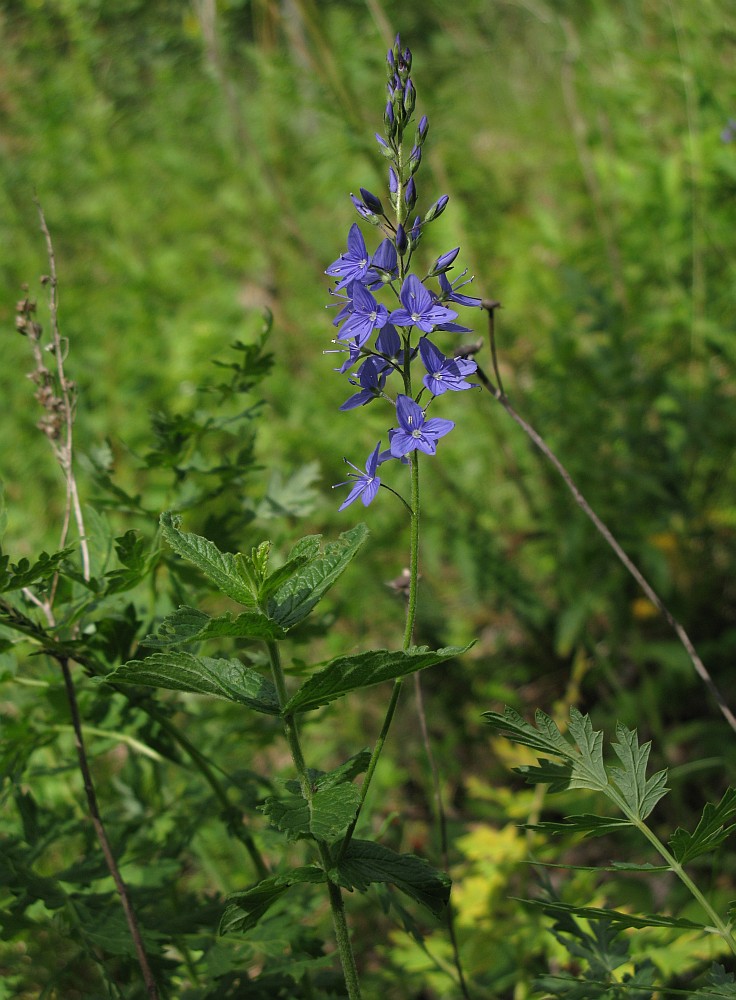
500,396
94,812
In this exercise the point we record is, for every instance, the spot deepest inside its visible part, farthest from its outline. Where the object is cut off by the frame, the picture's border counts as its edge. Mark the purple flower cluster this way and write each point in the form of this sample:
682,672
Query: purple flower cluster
382,341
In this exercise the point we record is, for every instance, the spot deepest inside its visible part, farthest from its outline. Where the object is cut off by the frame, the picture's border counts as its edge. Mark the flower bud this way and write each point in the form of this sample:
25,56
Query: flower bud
393,180
389,120
365,211
401,240
437,209
416,234
422,130
384,146
410,98
372,202
445,262
410,194
415,159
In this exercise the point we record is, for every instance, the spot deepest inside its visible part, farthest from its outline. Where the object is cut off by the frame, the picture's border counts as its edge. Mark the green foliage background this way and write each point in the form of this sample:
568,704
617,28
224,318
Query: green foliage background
194,163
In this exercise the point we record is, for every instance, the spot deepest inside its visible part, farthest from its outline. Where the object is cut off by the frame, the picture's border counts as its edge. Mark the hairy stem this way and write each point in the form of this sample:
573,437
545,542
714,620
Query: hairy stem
342,933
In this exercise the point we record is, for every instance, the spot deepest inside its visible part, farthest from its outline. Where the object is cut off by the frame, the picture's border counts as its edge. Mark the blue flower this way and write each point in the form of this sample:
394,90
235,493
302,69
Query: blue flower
444,373
449,294
353,265
366,316
415,432
366,483
371,379
384,266
419,307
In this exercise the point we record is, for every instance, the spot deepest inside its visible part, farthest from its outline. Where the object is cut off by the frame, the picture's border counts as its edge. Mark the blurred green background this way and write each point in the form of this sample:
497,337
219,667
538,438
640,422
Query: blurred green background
194,162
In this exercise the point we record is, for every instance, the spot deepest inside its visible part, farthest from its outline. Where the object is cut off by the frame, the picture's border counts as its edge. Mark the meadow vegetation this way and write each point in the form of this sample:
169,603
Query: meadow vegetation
193,163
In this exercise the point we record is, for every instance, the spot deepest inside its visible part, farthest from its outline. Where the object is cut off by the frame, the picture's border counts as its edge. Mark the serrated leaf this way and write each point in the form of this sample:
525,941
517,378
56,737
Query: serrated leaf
641,793
636,794
720,983
586,769
221,568
614,916
302,553
191,625
712,829
348,673
325,816
365,862
590,744
298,596
346,771
587,823
182,671
25,573
245,908
546,772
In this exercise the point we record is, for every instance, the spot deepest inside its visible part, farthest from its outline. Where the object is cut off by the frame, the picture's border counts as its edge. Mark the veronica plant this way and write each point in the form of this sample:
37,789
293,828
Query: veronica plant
322,808
384,342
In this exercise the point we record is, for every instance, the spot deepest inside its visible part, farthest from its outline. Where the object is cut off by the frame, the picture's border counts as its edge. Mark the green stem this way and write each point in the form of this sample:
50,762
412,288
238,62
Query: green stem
411,611
722,928
342,934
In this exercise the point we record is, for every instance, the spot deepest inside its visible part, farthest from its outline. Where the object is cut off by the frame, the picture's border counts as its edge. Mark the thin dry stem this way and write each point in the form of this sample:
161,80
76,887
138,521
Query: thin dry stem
65,450
57,424
500,396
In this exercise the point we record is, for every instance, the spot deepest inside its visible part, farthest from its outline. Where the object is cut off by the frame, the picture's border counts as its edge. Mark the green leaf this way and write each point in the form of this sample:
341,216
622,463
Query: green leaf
587,823
302,553
346,771
720,983
191,625
641,793
591,772
614,916
245,908
325,816
181,671
221,568
25,573
712,829
348,673
365,862
637,795
137,558
291,497
298,596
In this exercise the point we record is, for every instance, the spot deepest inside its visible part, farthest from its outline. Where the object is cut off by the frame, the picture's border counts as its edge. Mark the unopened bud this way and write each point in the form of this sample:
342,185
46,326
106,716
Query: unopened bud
437,209
445,262
410,194
401,240
372,202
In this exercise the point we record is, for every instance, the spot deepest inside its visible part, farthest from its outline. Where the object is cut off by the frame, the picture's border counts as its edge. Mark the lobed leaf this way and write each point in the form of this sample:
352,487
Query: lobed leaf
25,573
583,767
365,862
296,598
348,673
191,625
614,916
712,829
221,568
182,671
587,823
641,793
